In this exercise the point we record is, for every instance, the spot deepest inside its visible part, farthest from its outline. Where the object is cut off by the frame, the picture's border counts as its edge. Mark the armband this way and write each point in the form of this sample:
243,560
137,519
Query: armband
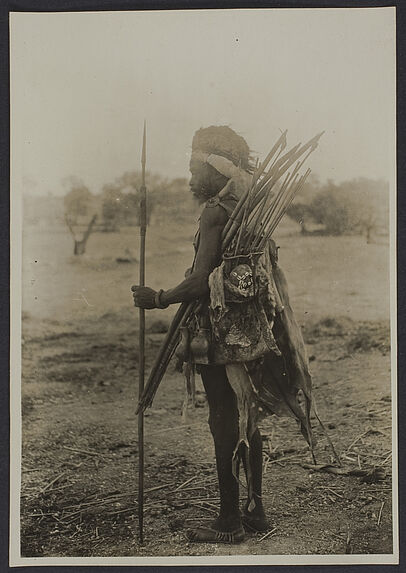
158,302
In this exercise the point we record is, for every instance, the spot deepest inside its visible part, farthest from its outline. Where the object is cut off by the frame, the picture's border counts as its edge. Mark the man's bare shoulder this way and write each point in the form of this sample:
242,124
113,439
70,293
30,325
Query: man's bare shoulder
213,215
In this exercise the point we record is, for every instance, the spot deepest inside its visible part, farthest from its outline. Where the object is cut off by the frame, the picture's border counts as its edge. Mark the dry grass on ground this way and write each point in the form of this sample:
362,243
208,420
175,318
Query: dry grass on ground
79,393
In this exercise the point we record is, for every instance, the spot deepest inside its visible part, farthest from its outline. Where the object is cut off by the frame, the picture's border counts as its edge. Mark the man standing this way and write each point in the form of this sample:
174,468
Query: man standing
220,172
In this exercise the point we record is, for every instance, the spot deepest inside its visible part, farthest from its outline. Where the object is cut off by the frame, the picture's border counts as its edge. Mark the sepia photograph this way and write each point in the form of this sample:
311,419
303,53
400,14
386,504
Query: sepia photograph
203,278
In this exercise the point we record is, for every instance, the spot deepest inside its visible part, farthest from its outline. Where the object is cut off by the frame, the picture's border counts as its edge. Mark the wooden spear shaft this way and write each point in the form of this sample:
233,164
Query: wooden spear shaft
143,231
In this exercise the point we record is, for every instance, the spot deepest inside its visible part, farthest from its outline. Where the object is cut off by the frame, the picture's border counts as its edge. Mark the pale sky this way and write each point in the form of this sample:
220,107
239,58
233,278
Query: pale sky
82,84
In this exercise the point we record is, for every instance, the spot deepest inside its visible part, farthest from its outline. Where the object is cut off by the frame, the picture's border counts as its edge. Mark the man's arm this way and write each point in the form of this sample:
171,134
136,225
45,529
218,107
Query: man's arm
208,256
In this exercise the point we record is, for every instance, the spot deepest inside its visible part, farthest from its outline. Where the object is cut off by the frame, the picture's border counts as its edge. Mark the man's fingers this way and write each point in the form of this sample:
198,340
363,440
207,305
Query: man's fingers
134,287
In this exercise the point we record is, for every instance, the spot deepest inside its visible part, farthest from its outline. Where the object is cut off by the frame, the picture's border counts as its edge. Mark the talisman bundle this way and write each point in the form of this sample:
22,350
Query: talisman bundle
274,185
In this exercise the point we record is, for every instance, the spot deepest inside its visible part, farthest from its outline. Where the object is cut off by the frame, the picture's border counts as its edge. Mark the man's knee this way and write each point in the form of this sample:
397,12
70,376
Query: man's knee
223,425
218,423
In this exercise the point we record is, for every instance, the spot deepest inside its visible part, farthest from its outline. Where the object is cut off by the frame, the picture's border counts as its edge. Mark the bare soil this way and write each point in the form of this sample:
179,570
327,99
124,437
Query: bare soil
79,389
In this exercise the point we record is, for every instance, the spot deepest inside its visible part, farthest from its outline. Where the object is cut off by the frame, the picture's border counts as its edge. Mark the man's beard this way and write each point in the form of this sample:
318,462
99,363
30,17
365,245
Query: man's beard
202,194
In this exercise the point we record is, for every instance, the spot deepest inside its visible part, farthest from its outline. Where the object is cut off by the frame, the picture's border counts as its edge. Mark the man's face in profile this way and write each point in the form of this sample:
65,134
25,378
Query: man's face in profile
200,180
205,182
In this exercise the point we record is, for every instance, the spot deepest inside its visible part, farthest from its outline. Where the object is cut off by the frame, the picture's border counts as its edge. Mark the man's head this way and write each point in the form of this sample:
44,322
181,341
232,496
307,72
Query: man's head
206,181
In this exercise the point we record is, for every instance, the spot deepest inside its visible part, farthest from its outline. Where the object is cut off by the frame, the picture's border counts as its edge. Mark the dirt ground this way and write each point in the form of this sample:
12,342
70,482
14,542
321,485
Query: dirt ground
79,389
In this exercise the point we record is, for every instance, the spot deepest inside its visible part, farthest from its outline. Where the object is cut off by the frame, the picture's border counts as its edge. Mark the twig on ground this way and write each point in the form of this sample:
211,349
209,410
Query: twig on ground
72,465
153,488
153,505
179,427
51,483
106,501
122,510
185,483
40,514
209,482
374,497
60,488
386,459
98,542
336,535
80,451
356,440
267,534
208,503
77,516
378,412
344,457
380,514
81,506
195,488
348,548
201,506
367,454
205,499
330,489
285,458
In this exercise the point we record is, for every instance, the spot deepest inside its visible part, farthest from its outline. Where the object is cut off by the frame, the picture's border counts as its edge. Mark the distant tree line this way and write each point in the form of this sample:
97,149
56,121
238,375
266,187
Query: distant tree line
118,203
359,206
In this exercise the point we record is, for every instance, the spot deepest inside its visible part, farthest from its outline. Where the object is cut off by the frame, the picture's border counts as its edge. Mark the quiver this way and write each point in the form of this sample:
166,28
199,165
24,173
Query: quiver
243,303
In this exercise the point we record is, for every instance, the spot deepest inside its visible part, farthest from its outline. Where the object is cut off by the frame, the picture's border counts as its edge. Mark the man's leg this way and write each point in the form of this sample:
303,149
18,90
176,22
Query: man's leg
255,519
223,421
254,515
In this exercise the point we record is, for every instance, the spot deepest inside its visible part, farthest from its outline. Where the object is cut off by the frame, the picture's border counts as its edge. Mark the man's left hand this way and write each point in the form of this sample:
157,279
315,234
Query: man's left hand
144,297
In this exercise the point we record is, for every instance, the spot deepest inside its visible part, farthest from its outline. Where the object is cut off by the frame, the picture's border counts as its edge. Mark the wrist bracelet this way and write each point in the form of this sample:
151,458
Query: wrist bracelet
158,302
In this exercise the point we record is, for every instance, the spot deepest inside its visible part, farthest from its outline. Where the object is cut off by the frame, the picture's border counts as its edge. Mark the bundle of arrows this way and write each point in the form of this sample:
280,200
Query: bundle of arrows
275,183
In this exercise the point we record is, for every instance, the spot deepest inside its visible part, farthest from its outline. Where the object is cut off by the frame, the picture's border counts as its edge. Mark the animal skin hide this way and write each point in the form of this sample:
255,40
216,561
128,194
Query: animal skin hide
263,334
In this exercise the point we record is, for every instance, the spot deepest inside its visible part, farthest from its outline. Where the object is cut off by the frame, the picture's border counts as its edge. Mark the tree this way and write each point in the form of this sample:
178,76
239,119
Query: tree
121,199
369,203
78,199
359,206
329,209
80,244
299,212
112,207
